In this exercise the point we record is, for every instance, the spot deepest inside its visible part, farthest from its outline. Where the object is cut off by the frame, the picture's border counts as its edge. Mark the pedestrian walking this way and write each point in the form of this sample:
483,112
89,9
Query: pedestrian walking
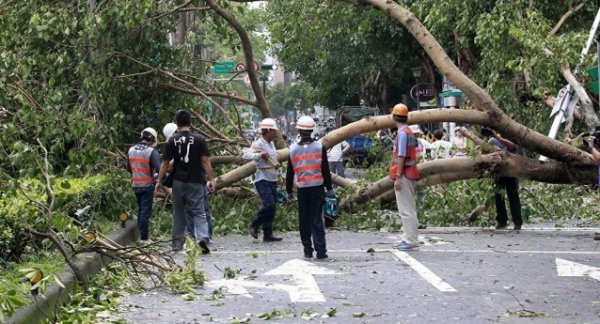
264,154
143,161
404,173
309,166
192,177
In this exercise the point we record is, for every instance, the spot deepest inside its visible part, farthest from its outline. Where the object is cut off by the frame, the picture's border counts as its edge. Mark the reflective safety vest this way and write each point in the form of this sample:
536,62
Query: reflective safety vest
306,161
139,161
410,162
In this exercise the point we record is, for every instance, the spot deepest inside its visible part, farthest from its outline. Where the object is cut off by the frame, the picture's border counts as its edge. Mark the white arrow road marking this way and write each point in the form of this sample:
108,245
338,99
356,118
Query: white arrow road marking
305,291
424,272
238,286
302,272
566,268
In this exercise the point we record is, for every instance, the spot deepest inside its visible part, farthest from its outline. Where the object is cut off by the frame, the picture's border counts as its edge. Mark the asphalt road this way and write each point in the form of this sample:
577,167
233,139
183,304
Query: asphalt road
458,275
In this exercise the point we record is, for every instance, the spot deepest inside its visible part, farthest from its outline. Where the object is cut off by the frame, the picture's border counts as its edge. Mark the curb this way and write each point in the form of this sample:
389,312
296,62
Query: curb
43,306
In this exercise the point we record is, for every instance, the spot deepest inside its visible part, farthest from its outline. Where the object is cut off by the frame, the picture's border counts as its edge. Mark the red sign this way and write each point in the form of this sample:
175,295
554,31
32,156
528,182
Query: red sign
240,67
425,92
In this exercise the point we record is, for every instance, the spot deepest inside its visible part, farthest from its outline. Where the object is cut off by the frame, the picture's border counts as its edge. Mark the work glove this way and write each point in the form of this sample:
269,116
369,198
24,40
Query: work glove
330,193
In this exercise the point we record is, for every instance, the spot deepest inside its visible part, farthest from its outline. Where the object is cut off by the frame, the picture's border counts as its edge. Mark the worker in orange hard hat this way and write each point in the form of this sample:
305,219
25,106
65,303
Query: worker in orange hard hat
404,173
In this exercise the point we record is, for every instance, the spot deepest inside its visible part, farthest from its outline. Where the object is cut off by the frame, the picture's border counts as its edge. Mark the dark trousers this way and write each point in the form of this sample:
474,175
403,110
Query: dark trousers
310,210
144,197
267,191
512,191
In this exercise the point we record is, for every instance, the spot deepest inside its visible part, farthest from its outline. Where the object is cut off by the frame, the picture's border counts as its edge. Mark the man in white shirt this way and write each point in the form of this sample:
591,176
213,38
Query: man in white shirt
263,152
423,146
335,157
440,149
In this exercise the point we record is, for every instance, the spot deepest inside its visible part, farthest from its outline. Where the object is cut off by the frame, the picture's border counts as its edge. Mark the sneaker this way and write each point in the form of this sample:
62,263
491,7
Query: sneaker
517,227
501,227
322,256
405,246
422,226
204,247
146,242
308,255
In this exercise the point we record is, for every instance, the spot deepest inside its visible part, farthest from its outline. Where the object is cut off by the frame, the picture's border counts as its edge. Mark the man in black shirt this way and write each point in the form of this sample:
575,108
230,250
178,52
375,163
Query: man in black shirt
191,167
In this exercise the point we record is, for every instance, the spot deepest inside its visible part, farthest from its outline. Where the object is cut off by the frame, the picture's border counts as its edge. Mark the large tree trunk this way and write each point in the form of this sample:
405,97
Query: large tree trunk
371,124
498,163
516,132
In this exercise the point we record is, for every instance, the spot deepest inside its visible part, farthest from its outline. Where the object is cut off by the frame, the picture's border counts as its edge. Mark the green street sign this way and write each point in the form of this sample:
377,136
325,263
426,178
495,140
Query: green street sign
224,67
268,67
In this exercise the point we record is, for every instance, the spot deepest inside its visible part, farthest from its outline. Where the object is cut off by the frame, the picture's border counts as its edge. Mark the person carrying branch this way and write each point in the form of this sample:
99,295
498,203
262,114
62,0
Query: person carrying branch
309,166
404,173
143,161
264,154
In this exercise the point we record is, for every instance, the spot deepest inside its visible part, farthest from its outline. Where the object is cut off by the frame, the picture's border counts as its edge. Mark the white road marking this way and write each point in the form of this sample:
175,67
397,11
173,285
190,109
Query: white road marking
302,272
420,250
306,289
566,268
423,271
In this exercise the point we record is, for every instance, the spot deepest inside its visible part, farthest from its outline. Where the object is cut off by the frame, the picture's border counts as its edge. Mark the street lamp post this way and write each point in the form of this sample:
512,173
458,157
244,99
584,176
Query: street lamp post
416,71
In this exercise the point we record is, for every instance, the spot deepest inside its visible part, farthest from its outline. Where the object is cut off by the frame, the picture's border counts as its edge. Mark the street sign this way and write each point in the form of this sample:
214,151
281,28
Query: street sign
240,67
224,67
425,92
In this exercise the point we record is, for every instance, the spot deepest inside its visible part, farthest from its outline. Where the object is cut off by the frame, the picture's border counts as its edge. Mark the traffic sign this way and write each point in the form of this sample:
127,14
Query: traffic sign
240,67
224,67
425,92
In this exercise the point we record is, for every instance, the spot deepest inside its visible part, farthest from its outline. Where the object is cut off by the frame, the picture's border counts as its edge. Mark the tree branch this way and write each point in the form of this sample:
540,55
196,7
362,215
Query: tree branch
263,106
566,16
516,132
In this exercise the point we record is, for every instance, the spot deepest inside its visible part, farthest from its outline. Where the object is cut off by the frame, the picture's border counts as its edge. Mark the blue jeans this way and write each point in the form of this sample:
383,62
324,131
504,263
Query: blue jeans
312,225
144,197
337,168
188,203
190,221
267,191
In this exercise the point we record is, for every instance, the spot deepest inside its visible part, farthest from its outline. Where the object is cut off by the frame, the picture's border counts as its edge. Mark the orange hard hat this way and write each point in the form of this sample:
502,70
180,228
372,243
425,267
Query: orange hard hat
400,110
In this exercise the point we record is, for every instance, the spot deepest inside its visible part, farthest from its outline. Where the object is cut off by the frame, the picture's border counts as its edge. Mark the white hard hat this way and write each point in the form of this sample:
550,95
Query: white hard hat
150,131
416,129
268,123
306,123
169,130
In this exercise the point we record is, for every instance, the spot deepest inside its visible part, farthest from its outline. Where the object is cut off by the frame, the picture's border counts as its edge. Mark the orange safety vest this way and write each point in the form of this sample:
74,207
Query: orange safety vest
410,170
139,161
306,161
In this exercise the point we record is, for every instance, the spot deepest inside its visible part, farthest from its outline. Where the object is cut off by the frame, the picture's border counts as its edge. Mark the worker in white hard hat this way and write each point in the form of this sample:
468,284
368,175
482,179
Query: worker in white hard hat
143,161
308,165
264,154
